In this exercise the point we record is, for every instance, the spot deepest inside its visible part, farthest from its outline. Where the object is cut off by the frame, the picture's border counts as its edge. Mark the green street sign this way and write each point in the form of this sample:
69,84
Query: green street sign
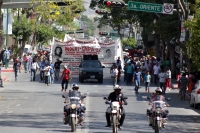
147,7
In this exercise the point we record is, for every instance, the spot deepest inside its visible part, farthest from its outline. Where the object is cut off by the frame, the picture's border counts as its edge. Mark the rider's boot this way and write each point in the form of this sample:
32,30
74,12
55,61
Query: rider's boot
108,119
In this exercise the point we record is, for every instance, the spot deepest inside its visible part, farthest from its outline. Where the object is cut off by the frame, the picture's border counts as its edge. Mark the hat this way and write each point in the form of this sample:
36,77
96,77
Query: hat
65,66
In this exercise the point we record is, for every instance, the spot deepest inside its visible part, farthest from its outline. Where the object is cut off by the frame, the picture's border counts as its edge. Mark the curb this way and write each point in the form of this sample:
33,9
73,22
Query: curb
7,70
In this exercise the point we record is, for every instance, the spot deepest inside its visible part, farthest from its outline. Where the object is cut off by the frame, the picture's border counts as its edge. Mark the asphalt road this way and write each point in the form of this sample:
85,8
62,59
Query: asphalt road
32,107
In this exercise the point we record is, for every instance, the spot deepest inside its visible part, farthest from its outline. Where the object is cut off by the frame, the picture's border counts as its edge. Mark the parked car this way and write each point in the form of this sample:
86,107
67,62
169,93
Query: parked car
91,69
195,96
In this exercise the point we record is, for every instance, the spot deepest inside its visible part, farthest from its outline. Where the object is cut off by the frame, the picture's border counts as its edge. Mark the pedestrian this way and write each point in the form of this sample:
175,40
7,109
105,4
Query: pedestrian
66,77
57,68
147,81
125,72
136,78
30,59
168,80
130,70
20,62
183,84
25,61
52,73
16,66
6,57
119,62
47,69
114,75
156,70
34,67
42,66
162,79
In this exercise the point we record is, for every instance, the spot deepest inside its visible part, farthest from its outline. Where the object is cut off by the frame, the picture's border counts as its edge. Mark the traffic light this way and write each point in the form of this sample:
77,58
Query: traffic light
101,12
114,3
103,33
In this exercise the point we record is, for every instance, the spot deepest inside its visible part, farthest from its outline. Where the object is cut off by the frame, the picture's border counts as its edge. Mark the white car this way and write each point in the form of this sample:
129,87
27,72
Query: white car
195,96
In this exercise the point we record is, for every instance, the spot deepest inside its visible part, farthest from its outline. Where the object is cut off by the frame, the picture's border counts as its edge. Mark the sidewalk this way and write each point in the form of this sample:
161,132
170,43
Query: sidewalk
6,73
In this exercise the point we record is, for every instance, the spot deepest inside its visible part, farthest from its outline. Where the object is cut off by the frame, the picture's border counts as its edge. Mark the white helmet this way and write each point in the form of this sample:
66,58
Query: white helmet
117,87
158,90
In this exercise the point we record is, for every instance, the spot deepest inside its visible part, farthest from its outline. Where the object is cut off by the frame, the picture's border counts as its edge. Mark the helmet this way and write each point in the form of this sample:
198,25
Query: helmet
158,90
117,87
75,86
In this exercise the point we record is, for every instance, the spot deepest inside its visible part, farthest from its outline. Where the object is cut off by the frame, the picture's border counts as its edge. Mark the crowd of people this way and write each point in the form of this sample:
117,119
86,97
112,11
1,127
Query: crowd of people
48,72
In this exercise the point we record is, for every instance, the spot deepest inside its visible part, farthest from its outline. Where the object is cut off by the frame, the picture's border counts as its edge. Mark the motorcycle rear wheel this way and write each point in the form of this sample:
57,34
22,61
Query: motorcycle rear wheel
114,126
73,125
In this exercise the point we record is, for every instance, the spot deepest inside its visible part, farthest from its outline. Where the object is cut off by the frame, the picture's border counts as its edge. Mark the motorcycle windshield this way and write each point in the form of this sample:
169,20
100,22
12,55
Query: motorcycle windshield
158,104
74,100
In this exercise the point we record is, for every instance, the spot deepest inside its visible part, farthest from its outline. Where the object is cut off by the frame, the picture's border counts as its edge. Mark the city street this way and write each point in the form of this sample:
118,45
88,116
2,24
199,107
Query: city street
33,107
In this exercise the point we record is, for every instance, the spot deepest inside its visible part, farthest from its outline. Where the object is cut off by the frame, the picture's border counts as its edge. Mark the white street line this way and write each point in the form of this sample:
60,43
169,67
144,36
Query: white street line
17,105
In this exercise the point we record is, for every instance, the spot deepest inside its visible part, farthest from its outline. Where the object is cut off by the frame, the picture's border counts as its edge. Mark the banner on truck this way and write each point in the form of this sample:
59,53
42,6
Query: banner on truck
72,51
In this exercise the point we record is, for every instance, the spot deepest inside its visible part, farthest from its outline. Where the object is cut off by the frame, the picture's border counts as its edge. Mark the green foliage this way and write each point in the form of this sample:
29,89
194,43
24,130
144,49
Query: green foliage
22,29
90,25
167,26
193,44
129,42
44,33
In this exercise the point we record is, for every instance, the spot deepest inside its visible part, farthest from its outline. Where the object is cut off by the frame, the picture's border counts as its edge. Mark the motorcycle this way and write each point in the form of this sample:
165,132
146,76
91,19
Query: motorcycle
155,115
115,113
74,114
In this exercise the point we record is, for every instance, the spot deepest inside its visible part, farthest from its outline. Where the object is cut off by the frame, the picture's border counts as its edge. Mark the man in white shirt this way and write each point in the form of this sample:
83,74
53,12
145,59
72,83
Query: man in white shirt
156,70
114,75
47,74
168,80
162,79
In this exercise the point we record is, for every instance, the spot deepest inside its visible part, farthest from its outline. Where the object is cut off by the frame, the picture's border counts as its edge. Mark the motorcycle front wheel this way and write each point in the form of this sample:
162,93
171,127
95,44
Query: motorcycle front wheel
73,125
157,123
114,126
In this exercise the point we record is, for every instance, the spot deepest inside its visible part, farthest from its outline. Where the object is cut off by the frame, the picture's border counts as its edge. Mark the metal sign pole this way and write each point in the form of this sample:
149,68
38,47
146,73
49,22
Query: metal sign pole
6,59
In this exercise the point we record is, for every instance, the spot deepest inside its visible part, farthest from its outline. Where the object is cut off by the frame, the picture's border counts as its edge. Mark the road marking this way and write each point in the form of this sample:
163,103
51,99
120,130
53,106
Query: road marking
109,86
9,112
18,105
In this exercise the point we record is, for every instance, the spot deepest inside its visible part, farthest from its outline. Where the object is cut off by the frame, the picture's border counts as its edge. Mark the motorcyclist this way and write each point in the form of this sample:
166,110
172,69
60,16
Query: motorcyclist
114,96
157,96
75,93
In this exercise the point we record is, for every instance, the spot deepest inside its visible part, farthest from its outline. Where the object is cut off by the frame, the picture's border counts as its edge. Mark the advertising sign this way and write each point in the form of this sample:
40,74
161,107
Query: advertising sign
72,51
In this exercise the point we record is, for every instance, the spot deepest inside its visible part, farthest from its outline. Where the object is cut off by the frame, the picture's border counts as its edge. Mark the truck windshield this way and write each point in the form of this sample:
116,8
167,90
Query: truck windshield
91,64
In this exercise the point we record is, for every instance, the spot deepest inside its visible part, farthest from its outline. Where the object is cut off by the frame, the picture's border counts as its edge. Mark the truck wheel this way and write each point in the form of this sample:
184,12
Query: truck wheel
100,80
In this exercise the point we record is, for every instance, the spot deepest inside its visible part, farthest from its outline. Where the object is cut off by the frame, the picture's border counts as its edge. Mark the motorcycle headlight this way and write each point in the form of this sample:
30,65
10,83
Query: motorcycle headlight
158,110
73,106
114,107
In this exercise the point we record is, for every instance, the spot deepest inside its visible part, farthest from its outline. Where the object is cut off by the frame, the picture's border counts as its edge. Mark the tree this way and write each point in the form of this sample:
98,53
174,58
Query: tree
193,44
90,25
21,29
2,36
129,42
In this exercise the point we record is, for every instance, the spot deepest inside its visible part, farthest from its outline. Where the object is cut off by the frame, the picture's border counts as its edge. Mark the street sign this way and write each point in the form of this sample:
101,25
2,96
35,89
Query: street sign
151,7
147,7
168,8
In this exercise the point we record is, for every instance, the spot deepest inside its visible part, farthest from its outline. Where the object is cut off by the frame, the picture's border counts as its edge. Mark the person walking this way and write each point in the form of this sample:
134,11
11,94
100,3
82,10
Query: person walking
57,68
156,70
136,78
168,80
66,77
183,84
25,61
147,81
34,67
16,66
47,69
20,62
162,79
114,75
52,73
42,66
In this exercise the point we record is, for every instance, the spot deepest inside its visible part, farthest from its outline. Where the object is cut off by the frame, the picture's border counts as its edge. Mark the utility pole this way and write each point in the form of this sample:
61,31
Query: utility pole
6,59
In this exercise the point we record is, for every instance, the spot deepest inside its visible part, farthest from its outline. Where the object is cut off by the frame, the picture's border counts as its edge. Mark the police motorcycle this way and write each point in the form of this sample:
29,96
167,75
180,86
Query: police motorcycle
155,114
115,113
74,114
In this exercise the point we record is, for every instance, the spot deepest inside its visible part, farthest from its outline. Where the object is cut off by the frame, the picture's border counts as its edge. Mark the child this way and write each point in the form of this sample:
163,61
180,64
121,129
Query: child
147,81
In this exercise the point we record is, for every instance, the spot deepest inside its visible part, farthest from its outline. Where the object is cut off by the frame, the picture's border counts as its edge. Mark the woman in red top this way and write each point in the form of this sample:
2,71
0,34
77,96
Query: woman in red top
66,77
